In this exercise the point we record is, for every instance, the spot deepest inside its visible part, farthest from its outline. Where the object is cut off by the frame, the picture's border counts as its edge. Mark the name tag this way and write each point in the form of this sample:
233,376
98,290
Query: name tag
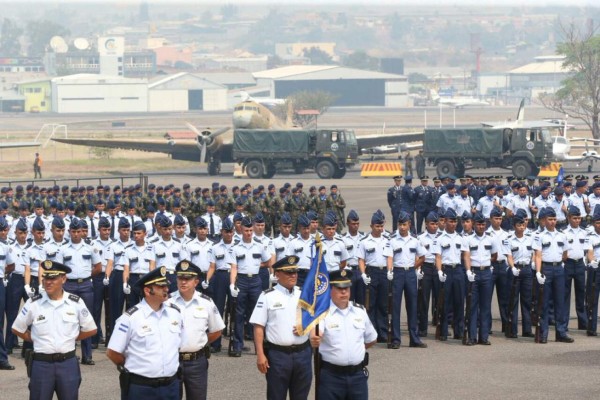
240,257
398,251
220,257
368,251
413,250
488,246
337,253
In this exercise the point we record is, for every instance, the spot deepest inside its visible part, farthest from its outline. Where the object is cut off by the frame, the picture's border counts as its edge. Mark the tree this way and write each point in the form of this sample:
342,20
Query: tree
580,95
361,60
317,56
229,11
40,32
319,100
9,38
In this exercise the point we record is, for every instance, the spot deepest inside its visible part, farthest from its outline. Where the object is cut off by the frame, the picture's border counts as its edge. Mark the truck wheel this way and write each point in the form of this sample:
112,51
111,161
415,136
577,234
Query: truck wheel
522,168
339,173
445,168
270,172
325,169
254,169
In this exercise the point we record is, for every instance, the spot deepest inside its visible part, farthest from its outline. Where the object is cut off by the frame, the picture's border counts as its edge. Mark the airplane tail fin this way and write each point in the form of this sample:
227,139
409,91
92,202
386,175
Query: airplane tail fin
434,95
245,96
521,112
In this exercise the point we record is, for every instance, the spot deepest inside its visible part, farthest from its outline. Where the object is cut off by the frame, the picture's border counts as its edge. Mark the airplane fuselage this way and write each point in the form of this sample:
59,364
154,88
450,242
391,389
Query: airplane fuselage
252,115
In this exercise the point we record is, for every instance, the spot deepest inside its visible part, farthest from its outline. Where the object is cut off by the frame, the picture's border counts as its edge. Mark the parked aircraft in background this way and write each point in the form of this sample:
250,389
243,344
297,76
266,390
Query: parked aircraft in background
457,102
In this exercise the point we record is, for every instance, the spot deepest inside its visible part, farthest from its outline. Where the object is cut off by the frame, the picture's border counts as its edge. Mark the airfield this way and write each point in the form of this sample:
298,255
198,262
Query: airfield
510,368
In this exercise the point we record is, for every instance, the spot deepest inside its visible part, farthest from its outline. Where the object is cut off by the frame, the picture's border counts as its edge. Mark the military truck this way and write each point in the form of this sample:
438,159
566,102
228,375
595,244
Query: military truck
452,151
263,152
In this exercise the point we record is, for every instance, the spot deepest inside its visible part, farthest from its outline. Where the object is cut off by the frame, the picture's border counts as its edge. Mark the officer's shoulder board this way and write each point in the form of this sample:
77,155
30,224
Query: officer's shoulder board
364,238
204,296
269,290
74,297
236,241
358,305
46,240
488,233
177,240
131,310
386,235
361,233
113,240
438,234
36,297
175,307
154,240
257,240
129,245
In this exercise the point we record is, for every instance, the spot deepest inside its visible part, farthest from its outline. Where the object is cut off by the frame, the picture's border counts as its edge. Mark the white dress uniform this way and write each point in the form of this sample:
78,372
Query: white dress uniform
116,252
302,249
138,258
594,201
6,258
445,202
248,256
280,245
80,258
218,224
352,248
168,253
142,334
578,201
51,247
103,249
334,252
485,205
557,206
198,252
462,204
521,202
541,202
19,252
36,255
218,255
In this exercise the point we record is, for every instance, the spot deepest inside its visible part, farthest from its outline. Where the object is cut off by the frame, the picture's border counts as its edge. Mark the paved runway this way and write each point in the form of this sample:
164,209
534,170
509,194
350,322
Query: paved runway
510,368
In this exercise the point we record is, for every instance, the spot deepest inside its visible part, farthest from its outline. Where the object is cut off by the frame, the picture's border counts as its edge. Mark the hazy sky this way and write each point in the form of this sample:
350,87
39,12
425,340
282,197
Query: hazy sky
569,3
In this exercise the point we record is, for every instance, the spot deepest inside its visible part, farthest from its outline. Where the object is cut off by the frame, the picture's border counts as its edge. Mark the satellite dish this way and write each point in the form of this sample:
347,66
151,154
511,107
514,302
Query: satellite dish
58,43
81,44
62,48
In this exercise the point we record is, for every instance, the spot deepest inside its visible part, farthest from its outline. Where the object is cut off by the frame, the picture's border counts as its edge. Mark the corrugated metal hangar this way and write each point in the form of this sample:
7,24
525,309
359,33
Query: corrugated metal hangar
186,92
353,87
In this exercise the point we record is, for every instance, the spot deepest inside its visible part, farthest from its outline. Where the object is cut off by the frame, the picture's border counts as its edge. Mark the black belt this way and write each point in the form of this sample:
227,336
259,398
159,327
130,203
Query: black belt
575,260
343,369
294,348
521,265
80,280
483,268
222,270
451,265
377,266
193,355
352,267
153,382
404,268
552,264
428,264
248,275
57,357
136,274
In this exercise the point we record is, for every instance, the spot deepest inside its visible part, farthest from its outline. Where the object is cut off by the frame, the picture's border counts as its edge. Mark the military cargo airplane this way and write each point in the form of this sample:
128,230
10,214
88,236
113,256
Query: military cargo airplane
457,102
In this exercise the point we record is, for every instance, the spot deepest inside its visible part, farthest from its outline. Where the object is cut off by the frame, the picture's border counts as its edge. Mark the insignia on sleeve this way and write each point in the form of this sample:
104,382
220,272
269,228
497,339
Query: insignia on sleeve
85,313
74,297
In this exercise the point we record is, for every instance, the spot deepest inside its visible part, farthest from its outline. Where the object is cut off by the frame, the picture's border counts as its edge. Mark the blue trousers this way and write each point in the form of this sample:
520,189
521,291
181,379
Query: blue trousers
502,279
220,292
195,379
378,307
250,289
481,304
289,373
575,273
14,294
263,272
431,288
554,288
62,378
522,293
454,293
594,317
117,297
169,392
136,294
405,281
3,355
357,291
97,307
336,386
85,291
172,278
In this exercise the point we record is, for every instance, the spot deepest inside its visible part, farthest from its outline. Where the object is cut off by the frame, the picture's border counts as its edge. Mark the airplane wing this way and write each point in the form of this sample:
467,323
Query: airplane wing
521,125
10,145
178,151
368,141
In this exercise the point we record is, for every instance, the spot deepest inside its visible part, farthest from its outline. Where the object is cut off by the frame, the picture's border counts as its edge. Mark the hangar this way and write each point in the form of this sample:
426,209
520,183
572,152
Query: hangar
353,87
186,92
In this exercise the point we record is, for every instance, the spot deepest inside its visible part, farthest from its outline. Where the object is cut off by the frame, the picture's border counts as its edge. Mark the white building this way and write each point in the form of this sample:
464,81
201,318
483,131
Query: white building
185,92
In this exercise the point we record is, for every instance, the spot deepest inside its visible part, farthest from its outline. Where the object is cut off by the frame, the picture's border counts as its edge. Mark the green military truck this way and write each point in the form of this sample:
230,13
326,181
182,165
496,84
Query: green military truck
263,152
452,151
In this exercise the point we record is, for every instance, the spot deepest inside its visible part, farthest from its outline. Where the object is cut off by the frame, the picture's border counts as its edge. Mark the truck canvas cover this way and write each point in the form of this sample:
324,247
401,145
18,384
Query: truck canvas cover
463,142
270,141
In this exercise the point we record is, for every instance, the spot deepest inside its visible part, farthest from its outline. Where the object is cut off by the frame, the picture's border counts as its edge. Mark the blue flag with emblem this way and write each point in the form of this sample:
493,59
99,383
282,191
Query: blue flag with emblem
561,175
315,297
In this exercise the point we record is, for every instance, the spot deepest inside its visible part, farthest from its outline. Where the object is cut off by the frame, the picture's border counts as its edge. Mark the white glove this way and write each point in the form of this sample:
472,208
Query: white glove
594,264
442,276
366,279
5,282
390,275
273,278
29,291
126,288
234,290
515,271
105,281
204,285
420,274
471,276
540,278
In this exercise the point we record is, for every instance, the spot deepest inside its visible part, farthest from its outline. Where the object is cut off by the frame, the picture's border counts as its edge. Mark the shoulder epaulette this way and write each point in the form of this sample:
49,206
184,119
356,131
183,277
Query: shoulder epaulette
37,297
268,290
74,297
46,240
129,245
363,238
174,306
29,241
361,233
87,241
236,241
177,240
438,234
131,310
205,296
156,239
358,305
488,233
257,240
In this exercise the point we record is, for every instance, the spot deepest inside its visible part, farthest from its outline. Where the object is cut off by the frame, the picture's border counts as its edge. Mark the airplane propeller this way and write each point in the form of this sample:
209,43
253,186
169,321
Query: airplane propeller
205,138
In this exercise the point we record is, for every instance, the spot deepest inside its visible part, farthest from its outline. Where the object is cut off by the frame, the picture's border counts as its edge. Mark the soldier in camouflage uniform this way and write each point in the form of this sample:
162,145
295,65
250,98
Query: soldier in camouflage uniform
296,207
277,206
319,204
336,203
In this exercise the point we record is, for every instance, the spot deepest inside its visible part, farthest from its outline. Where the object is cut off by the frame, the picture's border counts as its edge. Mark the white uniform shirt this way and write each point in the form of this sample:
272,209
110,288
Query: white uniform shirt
406,250
80,257
149,340
552,245
481,248
276,311
345,333
541,202
280,245
485,205
578,243
19,252
462,204
578,201
427,239
448,246
6,258
501,237
334,252
200,315
445,202
103,248
55,324
248,256
138,258
218,255
352,247
374,251
198,253
168,253
116,252
520,202
302,249
51,247
216,221
521,249
36,254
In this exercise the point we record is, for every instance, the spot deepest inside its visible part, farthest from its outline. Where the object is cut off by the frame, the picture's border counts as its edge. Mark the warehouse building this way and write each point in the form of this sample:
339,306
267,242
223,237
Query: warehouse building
352,87
186,92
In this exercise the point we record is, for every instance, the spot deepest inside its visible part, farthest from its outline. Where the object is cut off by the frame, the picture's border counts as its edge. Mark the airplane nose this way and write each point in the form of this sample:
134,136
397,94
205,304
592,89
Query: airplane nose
241,119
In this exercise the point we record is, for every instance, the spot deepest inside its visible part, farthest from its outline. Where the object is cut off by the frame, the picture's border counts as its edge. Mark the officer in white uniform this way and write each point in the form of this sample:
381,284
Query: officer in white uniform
408,256
203,325
430,283
151,330
114,270
57,239
139,259
486,204
281,242
334,249
198,250
53,321
167,250
352,238
7,265
101,296
346,334
282,355
501,276
560,205
301,247
580,200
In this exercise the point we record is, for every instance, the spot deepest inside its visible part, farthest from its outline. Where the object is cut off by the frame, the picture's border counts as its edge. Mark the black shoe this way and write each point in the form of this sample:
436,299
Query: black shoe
491,333
528,334
458,337
9,351
592,333
512,336
246,348
443,338
94,346
470,343
87,361
102,341
235,354
565,339
215,349
484,342
418,345
395,345
423,333
381,340
6,367
543,341
552,323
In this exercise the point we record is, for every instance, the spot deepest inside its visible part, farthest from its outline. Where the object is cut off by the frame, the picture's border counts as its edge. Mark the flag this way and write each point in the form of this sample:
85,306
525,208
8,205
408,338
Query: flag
315,297
560,176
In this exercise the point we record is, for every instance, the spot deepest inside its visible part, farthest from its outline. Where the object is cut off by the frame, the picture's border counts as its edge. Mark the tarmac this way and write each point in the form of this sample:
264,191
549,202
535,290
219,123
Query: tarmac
509,368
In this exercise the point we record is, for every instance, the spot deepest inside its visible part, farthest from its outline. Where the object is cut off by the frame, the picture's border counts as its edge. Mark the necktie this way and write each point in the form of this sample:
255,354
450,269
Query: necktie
212,225
93,228
131,234
112,227
153,229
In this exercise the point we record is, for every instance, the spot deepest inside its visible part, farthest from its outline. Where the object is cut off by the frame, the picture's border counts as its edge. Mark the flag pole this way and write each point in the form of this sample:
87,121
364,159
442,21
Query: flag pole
317,360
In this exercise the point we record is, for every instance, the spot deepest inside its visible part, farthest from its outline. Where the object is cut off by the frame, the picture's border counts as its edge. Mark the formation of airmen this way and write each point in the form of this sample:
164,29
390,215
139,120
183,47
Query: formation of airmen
529,242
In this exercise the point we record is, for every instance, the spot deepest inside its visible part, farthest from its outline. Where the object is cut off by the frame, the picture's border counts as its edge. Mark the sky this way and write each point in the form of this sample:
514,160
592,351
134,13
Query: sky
528,3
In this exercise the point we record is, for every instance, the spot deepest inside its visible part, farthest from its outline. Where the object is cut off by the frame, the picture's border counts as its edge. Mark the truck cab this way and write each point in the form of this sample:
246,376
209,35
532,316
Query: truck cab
529,149
337,147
